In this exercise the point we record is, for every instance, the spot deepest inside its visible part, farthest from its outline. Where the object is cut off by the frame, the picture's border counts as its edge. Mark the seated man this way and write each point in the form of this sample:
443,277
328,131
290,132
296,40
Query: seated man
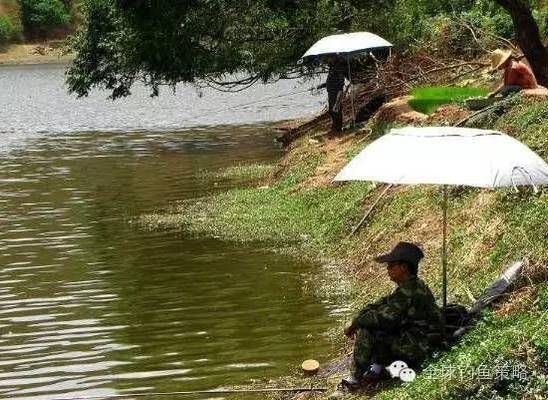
517,75
403,326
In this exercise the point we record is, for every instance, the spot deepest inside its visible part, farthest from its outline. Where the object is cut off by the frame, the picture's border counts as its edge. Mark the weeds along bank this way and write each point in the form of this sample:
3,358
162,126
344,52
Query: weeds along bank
294,206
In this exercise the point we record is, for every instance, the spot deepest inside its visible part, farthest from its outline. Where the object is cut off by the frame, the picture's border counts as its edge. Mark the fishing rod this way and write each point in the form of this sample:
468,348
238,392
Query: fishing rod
194,392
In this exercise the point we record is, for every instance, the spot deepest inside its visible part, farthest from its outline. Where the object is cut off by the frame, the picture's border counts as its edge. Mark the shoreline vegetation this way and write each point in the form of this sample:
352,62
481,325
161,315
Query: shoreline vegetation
36,31
294,207
34,54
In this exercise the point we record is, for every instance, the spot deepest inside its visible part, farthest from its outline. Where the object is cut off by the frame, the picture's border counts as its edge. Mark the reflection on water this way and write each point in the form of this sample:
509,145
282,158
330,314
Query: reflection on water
33,101
89,305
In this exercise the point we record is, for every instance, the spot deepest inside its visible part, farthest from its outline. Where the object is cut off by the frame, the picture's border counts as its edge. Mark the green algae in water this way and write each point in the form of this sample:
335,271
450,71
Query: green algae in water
428,99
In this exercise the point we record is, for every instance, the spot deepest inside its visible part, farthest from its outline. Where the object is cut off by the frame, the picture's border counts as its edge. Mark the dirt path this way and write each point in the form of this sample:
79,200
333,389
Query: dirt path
36,53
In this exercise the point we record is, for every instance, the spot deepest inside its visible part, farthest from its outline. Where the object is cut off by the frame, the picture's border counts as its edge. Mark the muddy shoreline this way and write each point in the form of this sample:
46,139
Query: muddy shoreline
34,54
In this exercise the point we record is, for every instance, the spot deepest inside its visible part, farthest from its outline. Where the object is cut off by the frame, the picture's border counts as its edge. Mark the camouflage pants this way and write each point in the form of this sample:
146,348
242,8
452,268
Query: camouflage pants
380,347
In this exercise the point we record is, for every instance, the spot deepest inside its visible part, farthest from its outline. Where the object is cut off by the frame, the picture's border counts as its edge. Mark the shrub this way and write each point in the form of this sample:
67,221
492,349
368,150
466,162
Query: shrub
443,25
470,32
7,30
40,16
541,16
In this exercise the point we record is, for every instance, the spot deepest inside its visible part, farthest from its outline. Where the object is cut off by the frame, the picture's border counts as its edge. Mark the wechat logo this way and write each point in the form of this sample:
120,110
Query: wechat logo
399,369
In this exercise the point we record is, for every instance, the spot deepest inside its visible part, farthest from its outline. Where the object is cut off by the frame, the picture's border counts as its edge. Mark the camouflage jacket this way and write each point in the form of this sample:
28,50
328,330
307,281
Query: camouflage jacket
411,307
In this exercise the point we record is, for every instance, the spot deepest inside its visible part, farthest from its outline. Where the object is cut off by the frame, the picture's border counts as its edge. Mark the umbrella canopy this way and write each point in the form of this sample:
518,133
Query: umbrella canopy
346,43
447,156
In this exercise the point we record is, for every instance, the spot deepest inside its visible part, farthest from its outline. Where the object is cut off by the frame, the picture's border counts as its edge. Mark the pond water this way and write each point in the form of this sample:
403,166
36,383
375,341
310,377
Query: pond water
90,305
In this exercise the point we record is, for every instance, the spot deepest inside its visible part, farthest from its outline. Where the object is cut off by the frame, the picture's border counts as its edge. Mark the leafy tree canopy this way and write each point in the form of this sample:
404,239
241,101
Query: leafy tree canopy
168,41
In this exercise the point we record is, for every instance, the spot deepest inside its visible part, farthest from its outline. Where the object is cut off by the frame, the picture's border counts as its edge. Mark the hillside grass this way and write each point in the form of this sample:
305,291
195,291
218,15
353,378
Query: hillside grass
242,173
273,214
297,208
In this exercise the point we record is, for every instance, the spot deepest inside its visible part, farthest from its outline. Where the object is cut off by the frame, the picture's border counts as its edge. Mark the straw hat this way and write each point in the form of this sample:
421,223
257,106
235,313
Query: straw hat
499,57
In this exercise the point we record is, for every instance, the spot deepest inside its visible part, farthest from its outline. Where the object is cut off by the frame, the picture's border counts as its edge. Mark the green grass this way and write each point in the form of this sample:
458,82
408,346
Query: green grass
278,214
428,99
528,122
507,227
525,230
249,173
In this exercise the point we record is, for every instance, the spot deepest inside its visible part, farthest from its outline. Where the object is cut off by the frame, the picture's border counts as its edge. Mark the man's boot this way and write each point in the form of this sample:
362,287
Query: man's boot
374,374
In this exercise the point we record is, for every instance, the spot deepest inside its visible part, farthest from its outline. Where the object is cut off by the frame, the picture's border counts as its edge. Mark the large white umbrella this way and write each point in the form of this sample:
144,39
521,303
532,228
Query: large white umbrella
347,44
447,156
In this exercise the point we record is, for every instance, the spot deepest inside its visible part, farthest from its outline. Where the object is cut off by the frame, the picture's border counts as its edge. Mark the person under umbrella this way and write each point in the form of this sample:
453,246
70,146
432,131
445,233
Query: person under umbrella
403,326
436,155
338,72
337,50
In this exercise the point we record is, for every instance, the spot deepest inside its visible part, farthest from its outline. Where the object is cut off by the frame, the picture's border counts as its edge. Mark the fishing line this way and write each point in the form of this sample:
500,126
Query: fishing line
195,116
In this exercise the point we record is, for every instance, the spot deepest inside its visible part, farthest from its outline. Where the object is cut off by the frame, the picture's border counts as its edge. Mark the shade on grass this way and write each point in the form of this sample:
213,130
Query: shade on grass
428,99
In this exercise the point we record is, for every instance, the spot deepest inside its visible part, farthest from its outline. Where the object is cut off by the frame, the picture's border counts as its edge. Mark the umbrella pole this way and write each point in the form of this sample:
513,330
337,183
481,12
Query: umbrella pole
351,93
444,248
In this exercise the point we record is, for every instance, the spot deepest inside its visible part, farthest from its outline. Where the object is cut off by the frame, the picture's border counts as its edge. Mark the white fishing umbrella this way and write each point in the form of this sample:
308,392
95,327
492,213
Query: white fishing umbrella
347,44
447,156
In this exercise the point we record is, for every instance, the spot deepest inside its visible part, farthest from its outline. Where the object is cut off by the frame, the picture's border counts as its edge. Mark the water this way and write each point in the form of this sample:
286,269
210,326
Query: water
33,101
89,304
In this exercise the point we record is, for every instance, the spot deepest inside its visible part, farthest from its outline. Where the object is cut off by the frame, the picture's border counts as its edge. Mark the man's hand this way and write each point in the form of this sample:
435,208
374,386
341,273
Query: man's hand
350,331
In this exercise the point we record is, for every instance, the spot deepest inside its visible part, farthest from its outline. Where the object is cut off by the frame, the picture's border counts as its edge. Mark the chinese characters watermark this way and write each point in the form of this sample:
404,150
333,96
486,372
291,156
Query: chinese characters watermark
500,371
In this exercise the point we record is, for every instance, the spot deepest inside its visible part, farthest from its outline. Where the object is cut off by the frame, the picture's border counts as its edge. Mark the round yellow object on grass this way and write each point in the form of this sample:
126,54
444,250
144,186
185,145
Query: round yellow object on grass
310,366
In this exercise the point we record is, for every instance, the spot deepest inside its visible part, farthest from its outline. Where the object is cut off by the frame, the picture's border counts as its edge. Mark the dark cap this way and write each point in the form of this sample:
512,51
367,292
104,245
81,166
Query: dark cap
403,252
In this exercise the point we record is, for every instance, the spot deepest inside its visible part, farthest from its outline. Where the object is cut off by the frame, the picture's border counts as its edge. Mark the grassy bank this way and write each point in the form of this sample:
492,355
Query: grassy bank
296,207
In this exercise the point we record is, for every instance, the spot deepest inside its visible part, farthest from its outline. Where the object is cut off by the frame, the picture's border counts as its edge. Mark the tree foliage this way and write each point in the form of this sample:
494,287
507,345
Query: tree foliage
7,29
169,41
40,16
528,36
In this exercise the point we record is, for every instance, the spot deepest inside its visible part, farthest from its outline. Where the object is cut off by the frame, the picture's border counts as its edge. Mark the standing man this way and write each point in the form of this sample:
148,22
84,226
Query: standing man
403,326
517,75
338,71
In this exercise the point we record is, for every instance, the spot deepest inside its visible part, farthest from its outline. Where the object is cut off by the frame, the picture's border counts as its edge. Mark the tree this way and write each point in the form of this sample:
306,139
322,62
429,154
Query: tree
528,36
163,42
40,16
168,41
